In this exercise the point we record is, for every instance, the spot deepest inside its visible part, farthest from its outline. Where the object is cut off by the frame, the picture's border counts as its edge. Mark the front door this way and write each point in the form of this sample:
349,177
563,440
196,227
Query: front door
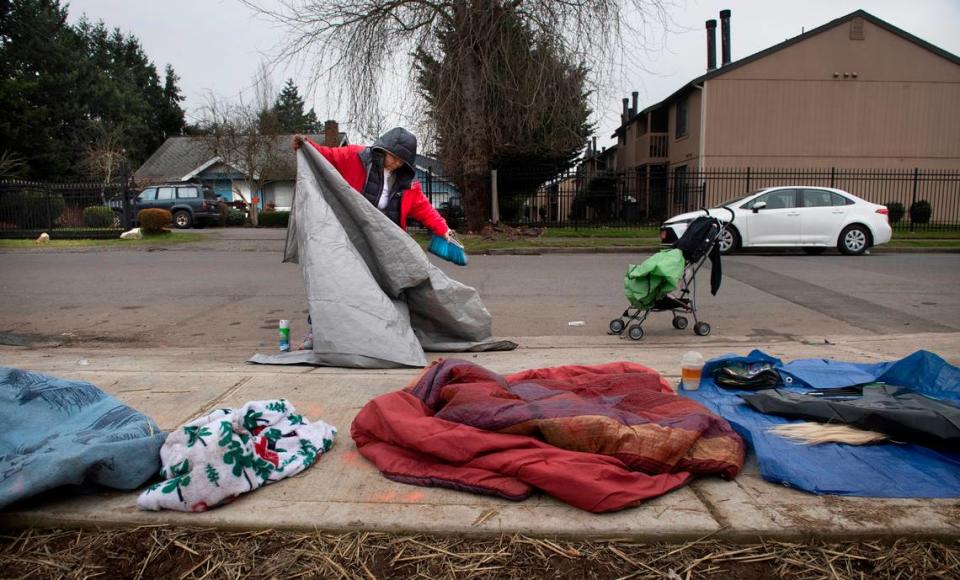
776,224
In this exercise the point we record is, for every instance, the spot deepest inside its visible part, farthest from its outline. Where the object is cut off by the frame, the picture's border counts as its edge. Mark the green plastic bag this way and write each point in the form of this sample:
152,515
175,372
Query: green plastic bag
656,277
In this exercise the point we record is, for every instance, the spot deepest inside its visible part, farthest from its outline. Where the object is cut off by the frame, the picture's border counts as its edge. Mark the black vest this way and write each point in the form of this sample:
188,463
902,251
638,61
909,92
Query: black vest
373,187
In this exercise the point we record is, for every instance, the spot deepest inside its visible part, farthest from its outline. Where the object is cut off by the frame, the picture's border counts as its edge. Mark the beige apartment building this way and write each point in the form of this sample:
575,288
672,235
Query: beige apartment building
856,92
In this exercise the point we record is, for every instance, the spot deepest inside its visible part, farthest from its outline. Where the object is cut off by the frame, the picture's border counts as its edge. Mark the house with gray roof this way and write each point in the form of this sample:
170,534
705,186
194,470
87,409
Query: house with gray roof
183,159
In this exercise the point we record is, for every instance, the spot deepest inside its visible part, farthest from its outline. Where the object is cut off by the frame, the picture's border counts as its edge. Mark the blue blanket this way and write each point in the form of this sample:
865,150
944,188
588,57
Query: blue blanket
56,432
883,470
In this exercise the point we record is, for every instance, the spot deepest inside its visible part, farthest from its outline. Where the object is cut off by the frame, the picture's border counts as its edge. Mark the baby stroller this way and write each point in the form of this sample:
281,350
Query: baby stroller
666,282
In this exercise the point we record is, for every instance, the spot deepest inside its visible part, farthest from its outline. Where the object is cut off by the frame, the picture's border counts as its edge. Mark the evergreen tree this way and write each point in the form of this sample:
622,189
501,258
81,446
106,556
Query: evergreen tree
533,103
289,112
40,68
69,93
172,120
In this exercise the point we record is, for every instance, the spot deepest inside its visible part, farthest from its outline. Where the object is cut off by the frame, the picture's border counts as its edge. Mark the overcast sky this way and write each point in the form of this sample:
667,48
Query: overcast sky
217,45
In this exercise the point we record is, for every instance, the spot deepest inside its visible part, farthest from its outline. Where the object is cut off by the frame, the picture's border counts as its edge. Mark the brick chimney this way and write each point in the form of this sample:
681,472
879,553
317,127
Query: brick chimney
331,134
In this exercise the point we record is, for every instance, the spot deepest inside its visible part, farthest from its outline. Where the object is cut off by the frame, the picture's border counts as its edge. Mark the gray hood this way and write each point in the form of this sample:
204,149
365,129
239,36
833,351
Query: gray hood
401,144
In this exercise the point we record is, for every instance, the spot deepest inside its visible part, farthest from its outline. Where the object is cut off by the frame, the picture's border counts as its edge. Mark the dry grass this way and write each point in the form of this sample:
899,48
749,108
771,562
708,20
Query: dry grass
162,552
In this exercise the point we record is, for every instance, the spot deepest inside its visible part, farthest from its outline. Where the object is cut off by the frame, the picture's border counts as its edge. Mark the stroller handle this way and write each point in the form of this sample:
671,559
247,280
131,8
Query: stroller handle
733,215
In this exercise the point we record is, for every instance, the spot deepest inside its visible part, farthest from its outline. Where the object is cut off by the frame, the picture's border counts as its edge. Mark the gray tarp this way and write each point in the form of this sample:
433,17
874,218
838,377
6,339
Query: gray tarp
375,299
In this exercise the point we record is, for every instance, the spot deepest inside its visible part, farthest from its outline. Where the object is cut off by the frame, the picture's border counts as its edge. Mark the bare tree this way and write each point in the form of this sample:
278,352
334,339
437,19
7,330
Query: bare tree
355,45
11,165
103,159
244,135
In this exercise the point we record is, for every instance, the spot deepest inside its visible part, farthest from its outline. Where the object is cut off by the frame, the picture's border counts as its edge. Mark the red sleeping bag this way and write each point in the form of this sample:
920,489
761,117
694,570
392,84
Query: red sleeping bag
601,438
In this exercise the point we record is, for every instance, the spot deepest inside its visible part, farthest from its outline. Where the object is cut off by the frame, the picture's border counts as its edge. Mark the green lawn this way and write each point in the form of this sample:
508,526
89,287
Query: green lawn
596,232
148,240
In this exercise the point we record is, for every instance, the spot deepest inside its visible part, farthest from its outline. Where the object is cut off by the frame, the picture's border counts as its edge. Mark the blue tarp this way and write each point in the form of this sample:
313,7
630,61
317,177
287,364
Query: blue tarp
55,432
881,470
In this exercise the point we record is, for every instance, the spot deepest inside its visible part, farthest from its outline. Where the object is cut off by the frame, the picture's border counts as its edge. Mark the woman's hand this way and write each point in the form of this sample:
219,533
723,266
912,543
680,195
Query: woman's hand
297,141
450,235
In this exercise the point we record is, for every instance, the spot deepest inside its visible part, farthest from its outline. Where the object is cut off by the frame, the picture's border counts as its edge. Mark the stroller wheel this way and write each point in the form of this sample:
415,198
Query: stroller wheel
635,332
616,326
701,329
680,322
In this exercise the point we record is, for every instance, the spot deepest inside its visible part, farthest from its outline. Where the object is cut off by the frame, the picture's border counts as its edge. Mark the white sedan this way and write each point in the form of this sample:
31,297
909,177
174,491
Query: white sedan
812,218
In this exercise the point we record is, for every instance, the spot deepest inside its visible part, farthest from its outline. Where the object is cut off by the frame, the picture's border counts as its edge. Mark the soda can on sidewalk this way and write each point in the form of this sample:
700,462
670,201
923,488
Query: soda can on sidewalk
284,331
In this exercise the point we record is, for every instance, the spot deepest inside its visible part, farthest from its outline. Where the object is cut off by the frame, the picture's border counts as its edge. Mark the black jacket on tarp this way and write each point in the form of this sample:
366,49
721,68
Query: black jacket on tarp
700,238
901,413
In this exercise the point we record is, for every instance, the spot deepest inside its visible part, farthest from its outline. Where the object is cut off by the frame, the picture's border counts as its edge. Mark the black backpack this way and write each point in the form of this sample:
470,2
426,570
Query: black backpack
701,234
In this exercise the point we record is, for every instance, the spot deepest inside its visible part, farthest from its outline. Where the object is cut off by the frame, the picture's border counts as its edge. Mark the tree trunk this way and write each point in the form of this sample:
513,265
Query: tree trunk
254,202
476,157
476,161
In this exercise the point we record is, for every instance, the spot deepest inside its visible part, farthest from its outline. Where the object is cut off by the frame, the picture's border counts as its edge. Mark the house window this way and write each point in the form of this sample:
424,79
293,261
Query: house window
682,106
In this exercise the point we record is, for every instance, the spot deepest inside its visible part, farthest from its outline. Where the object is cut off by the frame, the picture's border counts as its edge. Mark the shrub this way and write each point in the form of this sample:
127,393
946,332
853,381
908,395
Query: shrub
236,217
98,216
920,212
29,209
274,219
154,220
895,211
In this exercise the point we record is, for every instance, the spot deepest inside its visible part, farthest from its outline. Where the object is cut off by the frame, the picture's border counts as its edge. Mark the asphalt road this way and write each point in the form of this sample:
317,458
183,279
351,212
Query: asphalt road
232,292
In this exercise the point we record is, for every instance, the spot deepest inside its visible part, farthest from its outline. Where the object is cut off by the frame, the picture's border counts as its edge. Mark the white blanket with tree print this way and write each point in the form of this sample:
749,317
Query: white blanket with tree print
213,459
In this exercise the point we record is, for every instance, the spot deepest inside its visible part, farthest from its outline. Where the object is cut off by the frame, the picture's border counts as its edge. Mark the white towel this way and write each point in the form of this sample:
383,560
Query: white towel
213,459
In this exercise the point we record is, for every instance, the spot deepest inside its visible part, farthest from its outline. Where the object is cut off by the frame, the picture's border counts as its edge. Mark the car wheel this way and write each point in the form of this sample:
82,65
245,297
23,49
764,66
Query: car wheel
854,240
182,219
814,251
729,240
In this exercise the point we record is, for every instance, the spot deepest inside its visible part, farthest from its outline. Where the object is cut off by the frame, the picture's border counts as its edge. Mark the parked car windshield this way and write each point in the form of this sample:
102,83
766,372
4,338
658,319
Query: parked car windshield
741,198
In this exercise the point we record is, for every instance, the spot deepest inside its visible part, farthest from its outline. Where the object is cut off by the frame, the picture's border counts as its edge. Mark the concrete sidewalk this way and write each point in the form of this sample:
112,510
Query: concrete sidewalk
343,492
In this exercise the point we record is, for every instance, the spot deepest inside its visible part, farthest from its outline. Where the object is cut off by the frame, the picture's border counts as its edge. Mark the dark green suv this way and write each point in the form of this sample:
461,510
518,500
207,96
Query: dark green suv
190,203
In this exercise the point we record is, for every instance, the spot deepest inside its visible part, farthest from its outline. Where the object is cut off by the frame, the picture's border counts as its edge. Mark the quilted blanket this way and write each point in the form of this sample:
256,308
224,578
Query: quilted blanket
601,438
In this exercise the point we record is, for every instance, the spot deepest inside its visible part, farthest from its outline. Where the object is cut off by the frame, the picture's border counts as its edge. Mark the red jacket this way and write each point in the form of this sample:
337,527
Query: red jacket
413,203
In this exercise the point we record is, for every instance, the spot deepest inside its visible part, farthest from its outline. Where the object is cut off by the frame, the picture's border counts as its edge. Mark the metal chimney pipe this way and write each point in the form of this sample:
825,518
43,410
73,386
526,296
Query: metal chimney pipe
711,44
626,110
594,149
633,109
724,37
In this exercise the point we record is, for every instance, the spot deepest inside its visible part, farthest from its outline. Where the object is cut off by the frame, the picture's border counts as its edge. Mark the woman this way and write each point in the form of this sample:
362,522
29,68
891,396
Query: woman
384,174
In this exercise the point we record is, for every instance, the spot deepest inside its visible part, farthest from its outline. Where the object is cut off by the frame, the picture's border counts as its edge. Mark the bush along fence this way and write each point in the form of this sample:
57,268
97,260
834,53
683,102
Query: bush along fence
63,210
923,200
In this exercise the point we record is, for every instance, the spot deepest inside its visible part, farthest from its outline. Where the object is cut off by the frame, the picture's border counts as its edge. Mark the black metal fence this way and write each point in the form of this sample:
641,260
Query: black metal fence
62,210
646,196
